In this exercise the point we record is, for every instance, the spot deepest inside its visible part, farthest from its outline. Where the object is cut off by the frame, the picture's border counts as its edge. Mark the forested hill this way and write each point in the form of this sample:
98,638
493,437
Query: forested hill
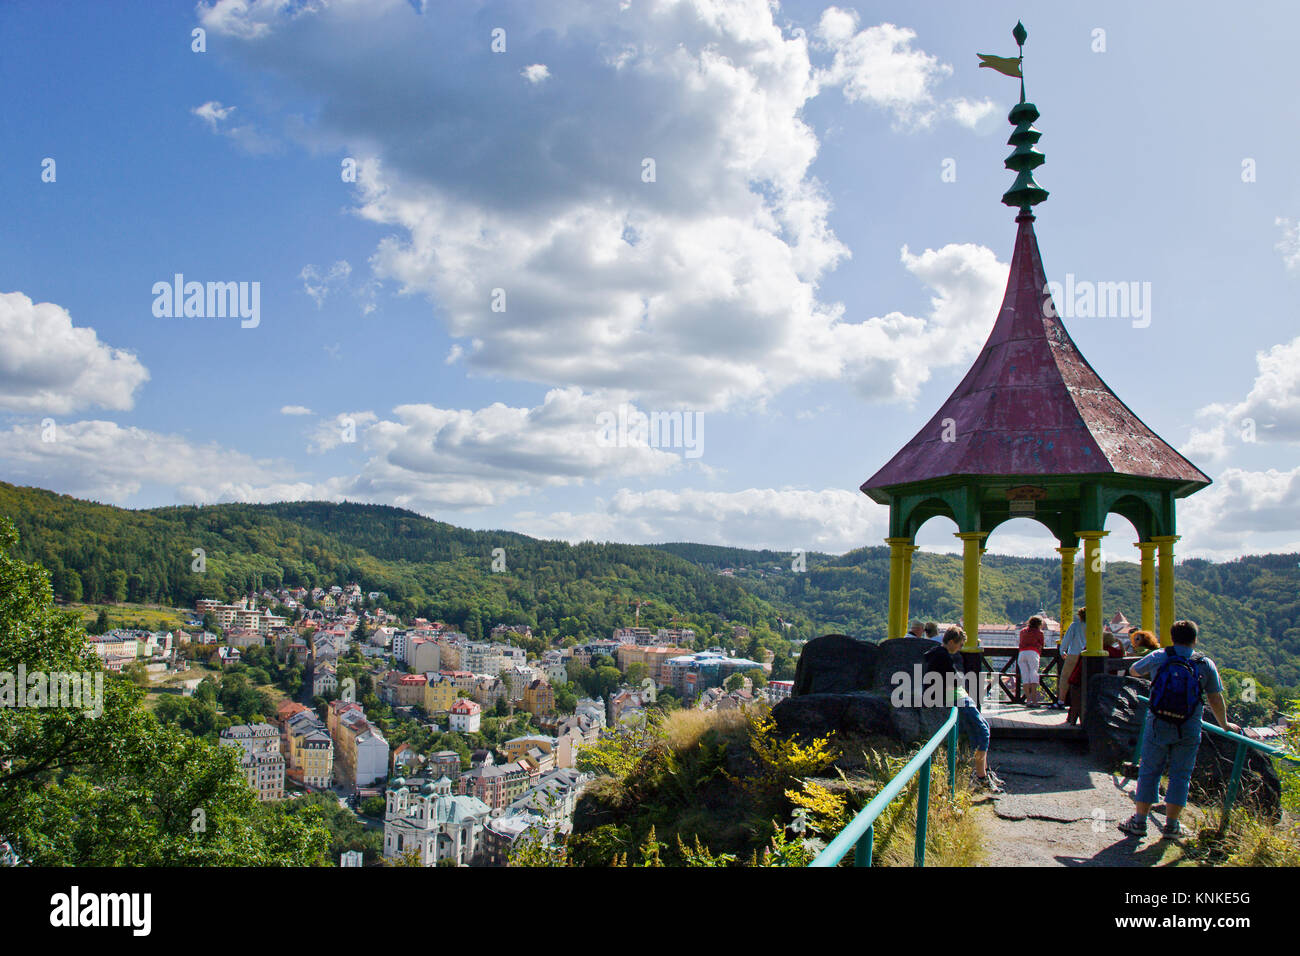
101,553
1248,609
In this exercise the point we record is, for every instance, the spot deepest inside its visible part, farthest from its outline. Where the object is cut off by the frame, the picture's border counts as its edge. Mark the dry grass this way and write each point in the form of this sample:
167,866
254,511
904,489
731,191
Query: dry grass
1248,841
953,835
682,729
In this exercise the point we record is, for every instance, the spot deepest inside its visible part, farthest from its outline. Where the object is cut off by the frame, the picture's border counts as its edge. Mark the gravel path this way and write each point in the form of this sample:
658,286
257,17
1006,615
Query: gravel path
1060,810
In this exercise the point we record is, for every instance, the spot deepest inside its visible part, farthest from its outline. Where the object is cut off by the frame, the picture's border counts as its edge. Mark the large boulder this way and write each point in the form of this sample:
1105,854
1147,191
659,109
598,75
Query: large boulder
835,664
898,660
1115,719
859,714
846,685
815,715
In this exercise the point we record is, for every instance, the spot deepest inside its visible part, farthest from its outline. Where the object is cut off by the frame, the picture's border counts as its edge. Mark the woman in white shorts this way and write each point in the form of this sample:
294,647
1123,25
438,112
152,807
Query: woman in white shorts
1031,649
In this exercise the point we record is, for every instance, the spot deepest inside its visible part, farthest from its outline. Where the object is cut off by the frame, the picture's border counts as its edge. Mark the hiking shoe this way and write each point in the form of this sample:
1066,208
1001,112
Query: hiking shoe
996,779
989,784
1135,825
1173,829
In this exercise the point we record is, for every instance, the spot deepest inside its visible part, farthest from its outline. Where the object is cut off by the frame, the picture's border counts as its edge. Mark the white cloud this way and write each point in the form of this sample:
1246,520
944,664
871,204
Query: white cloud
105,461
1234,514
1289,244
1270,412
431,458
245,135
971,113
878,66
295,410
698,289
319,285
49,366
535,73
213,113
832,520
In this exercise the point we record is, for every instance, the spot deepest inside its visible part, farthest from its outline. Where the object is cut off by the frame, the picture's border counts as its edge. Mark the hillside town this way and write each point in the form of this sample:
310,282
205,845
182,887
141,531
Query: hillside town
440,806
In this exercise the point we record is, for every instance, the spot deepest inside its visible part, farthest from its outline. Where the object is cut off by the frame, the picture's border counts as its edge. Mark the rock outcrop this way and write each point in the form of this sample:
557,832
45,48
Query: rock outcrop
848,686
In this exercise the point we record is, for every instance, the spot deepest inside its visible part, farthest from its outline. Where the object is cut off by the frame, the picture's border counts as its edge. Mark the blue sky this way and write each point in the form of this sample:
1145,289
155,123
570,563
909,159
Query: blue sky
800,273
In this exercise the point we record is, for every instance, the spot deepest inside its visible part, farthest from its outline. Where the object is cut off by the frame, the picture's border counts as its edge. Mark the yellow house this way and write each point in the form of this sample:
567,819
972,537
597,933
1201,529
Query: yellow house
439,695
519,747
539,698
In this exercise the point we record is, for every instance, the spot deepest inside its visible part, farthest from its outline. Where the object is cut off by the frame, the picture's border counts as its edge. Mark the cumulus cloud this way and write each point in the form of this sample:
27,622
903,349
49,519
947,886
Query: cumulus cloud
535,73
295,410
832,520
879,67
1270,412
432,458
654,225
48,365
1232,515
109,462
971,113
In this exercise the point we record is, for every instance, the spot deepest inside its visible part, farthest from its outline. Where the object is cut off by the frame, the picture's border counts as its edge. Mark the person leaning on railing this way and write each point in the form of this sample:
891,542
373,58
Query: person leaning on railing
946,662
1028,657
1171,736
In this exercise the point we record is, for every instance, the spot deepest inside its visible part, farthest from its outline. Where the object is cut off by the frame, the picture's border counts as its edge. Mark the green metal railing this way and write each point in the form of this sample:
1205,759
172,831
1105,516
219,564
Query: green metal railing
860,834
1238,759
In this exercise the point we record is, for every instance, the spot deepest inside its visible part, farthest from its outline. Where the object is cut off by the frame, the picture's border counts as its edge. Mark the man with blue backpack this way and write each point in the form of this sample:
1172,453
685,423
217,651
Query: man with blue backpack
1182,680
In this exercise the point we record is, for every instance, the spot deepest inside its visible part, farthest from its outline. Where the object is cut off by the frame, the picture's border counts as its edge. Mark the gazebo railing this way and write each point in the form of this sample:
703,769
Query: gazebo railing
1008,675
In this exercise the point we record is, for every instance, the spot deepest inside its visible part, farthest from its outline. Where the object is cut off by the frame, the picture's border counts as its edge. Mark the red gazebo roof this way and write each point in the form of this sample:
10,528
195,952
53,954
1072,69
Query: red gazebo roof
1032,405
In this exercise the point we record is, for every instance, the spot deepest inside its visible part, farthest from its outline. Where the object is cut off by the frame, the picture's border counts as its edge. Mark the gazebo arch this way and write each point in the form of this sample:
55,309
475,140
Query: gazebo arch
1033,431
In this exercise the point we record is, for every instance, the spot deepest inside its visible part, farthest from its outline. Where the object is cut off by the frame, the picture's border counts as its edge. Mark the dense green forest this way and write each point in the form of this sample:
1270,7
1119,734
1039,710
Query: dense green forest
1248,609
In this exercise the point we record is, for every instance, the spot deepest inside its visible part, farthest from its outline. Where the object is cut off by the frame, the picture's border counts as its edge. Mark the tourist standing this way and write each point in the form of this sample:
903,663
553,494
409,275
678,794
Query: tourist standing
1182,680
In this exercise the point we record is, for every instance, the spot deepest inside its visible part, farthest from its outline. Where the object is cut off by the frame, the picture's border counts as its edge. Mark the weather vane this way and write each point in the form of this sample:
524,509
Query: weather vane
1024,192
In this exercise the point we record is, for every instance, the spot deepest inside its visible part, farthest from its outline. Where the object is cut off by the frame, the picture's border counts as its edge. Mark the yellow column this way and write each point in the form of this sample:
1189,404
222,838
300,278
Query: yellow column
905,588
1165,544
1092,589
1067,586
970,579
1148,578
896,546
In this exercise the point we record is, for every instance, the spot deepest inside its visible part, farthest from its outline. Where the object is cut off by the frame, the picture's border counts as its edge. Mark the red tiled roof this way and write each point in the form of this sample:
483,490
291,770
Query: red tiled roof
1032,405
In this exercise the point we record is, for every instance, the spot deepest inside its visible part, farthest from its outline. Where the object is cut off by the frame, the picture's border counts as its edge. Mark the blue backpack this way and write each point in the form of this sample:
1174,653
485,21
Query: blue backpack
1176,690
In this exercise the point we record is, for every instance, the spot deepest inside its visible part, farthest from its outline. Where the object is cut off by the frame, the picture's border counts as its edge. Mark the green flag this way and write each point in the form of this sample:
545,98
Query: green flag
1006,65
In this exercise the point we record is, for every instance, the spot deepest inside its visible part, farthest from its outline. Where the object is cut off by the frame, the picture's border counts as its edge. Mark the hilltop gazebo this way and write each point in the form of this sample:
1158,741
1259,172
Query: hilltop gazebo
1032,431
